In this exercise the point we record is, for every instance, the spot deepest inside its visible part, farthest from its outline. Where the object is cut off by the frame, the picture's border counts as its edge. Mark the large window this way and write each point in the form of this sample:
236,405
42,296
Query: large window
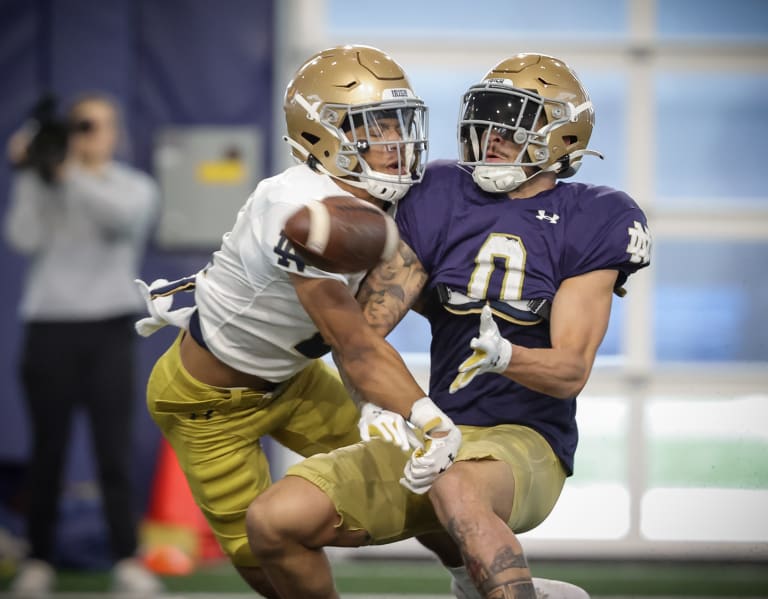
735,21
595,502
711,132
446,19
675,409
706,453
710,301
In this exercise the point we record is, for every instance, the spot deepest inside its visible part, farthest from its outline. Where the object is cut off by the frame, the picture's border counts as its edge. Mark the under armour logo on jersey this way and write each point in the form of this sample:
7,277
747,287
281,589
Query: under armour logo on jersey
542,215
639,248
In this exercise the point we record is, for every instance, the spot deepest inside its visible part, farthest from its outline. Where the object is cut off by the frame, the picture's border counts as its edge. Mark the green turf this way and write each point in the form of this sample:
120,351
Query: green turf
375,576
663,578
738,464
711,579
706,463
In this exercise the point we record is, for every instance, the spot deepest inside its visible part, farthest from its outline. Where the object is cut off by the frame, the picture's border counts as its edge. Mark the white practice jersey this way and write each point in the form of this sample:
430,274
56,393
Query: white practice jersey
250,315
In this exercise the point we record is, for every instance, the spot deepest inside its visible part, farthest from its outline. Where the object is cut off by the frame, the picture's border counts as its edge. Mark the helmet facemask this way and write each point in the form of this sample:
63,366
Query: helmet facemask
397,129
495,109
398,126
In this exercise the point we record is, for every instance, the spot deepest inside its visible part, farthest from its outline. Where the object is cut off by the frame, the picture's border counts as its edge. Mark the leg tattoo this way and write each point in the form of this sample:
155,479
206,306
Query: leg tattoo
506,577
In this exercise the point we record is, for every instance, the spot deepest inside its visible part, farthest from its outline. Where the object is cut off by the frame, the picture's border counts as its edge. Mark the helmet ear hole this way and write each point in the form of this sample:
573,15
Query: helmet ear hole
312,139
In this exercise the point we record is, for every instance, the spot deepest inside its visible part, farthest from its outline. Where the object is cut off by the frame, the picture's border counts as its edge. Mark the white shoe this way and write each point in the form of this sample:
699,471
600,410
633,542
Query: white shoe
34,579
131,576
557,589
545,589
463,591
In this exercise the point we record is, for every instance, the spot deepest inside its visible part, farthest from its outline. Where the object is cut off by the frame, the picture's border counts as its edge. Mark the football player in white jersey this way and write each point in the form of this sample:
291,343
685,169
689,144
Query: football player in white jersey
246,362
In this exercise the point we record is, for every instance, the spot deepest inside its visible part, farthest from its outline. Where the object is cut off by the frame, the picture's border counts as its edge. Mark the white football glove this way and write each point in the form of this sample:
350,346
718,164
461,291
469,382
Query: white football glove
492,352
390,426
159,308
438,453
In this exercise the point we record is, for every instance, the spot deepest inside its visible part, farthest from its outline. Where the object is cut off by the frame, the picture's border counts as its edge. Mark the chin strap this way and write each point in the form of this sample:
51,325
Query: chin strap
493,179
569,165
580,153
377,187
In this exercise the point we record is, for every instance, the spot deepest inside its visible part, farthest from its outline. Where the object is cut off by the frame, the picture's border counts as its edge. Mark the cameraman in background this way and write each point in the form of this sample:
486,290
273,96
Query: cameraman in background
82,219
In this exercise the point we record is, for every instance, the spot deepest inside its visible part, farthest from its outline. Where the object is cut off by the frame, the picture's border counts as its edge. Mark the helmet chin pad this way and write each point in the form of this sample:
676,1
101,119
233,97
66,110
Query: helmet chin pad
389,188
389,192
499,179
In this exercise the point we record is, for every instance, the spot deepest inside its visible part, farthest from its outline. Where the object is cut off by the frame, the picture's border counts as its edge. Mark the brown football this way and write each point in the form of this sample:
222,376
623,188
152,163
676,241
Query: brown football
342,234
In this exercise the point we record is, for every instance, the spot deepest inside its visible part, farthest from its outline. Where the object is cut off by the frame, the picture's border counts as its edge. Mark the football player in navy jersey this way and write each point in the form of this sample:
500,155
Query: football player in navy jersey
515,272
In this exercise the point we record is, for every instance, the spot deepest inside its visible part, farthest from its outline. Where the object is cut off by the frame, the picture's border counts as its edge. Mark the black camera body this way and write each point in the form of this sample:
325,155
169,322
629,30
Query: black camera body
47,149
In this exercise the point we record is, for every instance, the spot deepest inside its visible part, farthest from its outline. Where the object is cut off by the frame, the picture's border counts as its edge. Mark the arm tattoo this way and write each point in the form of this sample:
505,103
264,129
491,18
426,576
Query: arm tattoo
390,289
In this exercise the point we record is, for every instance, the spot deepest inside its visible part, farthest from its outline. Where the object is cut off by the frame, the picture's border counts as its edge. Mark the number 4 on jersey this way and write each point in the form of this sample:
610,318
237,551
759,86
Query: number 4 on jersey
285,253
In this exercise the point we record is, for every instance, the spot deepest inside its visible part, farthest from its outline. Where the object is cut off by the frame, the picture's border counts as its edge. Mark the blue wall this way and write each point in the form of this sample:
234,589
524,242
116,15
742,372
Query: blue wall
169,62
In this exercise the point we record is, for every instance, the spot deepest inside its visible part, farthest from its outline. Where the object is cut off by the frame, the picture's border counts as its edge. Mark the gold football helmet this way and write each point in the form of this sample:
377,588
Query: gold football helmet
338,106
537,102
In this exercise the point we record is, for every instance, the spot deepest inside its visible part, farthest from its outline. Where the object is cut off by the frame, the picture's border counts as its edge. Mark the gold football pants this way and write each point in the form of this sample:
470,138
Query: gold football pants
363,481
216,435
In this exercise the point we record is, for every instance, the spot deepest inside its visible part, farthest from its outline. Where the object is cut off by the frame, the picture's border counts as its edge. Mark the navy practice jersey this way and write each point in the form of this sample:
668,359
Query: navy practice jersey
479,248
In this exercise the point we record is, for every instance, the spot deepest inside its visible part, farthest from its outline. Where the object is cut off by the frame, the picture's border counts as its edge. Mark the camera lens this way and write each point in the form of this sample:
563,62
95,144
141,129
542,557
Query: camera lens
84,126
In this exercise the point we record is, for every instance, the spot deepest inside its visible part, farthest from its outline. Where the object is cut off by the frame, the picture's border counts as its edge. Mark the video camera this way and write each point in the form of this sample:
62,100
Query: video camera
47,149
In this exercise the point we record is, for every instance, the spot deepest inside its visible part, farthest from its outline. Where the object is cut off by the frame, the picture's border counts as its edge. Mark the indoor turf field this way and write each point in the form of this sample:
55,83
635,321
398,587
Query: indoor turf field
424,579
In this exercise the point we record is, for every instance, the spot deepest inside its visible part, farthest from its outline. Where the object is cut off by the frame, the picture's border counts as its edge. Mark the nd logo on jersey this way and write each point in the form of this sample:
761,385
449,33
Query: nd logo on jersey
639,247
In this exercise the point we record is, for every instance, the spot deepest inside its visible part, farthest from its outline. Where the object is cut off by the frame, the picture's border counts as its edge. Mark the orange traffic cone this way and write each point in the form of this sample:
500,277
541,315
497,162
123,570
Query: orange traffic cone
168,560
175,533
